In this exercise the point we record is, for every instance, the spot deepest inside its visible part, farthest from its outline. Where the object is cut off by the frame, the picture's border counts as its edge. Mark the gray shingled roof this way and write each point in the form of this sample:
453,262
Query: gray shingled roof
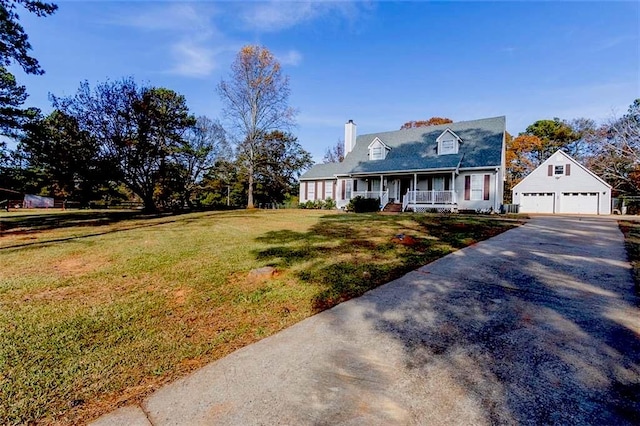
415,150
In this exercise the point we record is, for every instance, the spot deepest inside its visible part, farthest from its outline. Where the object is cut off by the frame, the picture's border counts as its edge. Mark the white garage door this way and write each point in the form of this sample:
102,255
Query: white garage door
536,202
579,202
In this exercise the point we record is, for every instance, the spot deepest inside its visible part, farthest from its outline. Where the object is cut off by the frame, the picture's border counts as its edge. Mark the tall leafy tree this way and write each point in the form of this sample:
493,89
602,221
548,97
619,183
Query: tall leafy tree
12,96
433,121
256,101
335,153
137,129
68,156
282,160
15,48
553,135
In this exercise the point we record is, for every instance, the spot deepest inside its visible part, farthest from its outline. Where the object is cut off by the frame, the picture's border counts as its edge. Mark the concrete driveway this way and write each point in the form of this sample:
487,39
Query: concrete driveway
539,325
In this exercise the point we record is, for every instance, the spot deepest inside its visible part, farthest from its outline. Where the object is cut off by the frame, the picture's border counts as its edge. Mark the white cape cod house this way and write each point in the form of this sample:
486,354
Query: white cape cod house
449,167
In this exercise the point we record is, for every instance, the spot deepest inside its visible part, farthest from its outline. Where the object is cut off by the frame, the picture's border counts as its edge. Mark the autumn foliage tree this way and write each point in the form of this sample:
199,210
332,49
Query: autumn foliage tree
433,121
255,98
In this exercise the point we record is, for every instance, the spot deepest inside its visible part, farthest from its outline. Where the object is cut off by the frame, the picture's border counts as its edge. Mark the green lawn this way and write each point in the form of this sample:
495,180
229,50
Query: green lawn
631,231
98,309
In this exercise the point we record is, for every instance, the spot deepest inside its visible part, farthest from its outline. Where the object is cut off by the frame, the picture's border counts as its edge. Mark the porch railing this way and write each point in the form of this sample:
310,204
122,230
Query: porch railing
405,203
431,197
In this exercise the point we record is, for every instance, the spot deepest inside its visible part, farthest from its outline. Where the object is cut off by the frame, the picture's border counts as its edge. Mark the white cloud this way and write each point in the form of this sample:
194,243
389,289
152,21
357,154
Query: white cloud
169,17
192,60
276,15
292,57
192,35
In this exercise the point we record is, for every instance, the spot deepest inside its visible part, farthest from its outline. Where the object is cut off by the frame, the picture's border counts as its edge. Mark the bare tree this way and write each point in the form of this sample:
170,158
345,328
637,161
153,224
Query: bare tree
204,144
256,102
335,153
617,156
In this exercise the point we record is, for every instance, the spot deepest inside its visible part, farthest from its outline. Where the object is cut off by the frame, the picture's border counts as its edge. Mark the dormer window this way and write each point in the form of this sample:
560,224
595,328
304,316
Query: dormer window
448,142
378,150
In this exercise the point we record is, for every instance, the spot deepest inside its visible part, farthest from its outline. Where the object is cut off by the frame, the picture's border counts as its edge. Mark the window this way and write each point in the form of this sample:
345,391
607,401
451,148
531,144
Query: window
448,142
328,189
311,191
558,170
447,147
477,187
377,150
376,153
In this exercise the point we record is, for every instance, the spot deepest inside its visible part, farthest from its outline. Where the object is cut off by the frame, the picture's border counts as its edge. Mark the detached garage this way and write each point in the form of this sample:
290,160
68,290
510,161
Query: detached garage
562,185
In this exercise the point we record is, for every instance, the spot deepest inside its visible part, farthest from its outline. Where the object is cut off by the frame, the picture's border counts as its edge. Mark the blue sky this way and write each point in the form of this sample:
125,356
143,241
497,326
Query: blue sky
378,63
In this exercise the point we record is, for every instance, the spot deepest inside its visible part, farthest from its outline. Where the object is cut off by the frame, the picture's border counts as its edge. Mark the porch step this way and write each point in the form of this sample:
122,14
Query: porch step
392,208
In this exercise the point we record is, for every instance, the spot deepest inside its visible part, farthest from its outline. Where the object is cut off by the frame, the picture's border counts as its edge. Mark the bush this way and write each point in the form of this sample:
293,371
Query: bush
363,205
329,204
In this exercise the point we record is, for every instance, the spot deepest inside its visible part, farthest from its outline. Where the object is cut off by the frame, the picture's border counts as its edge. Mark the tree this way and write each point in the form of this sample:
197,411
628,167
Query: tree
553,135
617,153
256,102
433,121
137,129
282,161
15,47
66,155
12,96
14,42
518,162
335,153
204,144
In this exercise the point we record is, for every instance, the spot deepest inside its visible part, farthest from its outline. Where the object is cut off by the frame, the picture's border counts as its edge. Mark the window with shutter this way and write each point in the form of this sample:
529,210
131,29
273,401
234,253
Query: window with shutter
487,186
467,187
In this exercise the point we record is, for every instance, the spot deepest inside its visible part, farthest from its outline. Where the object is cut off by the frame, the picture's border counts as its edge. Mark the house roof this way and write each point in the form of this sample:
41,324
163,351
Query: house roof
416,150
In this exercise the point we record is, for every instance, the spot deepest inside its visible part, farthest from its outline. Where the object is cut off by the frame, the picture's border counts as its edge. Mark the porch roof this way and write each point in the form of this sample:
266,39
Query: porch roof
397,161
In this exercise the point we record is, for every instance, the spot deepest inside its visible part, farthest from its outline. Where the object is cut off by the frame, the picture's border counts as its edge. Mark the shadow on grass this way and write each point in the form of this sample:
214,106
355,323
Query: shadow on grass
33,224
347,255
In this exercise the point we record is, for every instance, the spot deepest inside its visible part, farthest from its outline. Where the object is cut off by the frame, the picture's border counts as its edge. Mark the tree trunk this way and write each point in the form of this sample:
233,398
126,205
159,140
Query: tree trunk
149,205
250,190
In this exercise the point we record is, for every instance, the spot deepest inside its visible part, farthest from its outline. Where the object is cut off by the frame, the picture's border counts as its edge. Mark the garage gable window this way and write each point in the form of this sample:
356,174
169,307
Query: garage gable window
559,170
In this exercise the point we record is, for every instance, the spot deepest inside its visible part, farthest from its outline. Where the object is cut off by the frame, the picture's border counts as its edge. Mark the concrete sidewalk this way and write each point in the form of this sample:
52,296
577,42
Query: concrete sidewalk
538,325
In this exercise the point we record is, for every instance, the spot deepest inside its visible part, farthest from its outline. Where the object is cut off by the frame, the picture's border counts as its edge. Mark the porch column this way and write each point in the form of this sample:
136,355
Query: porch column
415,186
381,189
453,187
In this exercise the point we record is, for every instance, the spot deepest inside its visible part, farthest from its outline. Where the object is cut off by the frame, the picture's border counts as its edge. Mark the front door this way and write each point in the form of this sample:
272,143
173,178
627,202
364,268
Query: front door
405,184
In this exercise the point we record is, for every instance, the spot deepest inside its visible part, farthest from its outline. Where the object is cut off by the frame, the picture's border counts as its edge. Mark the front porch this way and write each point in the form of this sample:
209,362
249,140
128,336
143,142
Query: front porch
417,192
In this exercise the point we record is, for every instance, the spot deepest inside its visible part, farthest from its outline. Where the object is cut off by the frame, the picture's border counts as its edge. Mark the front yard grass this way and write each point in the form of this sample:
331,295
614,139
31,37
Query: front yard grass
98,309
631,231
